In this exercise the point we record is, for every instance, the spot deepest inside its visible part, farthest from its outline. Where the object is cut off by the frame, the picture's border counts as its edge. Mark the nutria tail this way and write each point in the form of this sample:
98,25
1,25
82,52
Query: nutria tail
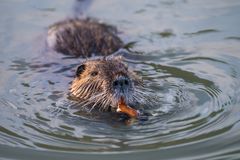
83,38
102,83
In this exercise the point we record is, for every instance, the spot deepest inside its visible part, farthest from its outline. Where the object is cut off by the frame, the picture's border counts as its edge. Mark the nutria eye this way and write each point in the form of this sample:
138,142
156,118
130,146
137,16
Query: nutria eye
94,74
80,69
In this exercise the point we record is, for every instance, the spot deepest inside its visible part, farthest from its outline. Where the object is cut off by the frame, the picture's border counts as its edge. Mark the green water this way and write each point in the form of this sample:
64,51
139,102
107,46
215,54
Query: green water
187,51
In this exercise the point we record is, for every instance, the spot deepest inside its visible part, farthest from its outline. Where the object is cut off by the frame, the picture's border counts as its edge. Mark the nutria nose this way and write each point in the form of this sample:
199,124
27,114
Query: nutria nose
121,83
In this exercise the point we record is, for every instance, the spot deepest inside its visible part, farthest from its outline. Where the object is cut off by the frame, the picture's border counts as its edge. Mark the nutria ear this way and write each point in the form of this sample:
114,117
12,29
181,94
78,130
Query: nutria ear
80,69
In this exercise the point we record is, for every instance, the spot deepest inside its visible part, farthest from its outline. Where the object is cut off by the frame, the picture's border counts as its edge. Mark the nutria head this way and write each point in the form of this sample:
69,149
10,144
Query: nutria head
102,83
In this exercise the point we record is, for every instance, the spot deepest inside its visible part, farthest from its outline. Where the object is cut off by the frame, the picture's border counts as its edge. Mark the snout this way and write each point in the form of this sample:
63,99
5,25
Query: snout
122,84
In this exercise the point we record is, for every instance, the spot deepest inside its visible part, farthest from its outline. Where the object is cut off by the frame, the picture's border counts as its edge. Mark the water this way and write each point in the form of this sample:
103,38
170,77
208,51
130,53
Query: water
187,52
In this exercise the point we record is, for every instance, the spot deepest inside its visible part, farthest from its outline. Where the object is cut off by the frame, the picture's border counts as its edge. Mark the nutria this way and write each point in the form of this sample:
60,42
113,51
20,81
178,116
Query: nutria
101,82
104,82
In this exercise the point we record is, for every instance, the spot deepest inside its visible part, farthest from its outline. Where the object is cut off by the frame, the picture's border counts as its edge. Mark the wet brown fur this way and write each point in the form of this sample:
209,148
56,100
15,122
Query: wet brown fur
84,38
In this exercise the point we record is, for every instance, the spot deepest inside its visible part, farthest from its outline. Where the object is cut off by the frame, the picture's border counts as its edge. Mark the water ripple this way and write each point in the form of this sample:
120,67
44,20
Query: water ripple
190,66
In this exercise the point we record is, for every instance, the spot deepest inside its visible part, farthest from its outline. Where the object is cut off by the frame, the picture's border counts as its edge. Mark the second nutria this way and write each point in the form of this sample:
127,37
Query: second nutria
83,37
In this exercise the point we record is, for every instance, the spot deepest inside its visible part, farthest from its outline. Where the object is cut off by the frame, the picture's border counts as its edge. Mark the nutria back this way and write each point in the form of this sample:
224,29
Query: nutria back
83,37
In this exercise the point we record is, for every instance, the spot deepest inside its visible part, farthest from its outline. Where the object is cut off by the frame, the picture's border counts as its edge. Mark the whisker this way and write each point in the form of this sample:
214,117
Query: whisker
146,97
101,106
90,100
106,104
97,102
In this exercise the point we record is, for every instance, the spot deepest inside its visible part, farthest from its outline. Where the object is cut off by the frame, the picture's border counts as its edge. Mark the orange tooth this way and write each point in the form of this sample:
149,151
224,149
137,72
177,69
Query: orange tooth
122,107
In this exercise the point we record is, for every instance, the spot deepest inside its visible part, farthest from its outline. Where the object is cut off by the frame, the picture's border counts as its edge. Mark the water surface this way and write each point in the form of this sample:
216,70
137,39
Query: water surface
187,52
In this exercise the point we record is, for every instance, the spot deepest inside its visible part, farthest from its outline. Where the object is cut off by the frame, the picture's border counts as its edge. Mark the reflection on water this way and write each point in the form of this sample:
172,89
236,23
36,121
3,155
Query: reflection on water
186,51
